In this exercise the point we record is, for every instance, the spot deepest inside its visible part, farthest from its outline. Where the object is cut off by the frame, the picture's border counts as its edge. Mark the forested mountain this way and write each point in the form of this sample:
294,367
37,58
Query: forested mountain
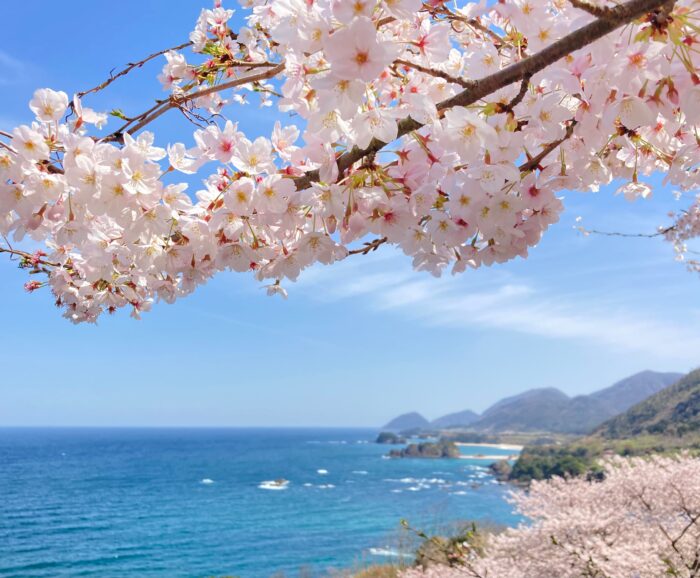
548,409
674,411
460,419
406,421
630,391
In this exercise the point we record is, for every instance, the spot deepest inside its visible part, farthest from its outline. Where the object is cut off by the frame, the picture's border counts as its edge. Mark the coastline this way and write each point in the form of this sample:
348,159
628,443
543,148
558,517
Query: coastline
513,447
488,457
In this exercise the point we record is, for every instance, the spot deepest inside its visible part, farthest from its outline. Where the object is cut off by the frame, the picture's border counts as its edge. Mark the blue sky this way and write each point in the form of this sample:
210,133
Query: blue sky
356,343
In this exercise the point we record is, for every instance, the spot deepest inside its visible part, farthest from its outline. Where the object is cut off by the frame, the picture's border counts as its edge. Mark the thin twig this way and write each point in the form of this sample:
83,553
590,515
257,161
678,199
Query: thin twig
28,257
524,85
131,66
369,247
178,101
8,147
659,233
471,22
535,161
433,72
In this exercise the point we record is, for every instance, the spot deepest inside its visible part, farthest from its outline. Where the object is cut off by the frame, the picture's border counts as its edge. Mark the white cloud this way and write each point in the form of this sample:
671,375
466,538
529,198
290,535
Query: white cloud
12,70
500,301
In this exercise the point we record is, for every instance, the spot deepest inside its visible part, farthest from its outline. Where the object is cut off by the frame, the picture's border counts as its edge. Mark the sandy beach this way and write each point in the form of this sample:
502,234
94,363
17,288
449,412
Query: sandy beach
513,447
488,457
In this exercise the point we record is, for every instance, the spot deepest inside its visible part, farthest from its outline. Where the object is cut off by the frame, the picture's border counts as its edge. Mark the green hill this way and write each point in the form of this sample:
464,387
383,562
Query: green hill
674,412
407,421
459,419
665,422
533,410
622,395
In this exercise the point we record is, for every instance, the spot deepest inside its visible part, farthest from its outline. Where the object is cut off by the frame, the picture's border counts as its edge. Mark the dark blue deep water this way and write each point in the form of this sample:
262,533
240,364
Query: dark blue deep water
170,503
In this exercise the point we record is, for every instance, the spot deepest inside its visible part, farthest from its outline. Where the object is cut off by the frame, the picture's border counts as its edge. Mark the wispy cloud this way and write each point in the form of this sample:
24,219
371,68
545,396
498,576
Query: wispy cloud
12,70
506,303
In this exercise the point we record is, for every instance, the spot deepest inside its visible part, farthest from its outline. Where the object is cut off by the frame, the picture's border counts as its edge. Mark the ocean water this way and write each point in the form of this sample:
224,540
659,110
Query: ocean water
189,502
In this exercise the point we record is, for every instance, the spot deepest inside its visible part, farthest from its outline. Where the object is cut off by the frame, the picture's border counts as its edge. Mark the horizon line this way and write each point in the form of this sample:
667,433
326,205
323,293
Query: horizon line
240,427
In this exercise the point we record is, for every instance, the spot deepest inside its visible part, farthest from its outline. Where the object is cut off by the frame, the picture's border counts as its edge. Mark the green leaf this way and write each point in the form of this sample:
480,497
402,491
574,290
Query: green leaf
119,114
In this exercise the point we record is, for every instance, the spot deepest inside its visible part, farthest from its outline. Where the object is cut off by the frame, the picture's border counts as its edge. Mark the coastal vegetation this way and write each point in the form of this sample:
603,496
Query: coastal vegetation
665,423
440,449
661,415
391,438
634,477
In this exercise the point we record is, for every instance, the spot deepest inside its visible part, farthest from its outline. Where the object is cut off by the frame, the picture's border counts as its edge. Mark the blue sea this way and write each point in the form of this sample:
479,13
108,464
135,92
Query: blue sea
193,502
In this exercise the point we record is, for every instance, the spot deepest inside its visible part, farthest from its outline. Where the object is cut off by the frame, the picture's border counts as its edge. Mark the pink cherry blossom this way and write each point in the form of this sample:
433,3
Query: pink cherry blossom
641,521
356,52
445,129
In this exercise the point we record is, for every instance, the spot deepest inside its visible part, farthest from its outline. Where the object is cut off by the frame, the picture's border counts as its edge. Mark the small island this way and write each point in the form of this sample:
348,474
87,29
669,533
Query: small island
501,470
390,438
434,450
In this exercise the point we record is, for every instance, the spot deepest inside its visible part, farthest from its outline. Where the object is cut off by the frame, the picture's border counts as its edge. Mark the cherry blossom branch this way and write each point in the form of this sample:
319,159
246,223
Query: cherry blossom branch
659,233
535,161
434,72
524,85
619,16
34,259
131,66
177,101
8,147
471,22
597,11
369,247
135,237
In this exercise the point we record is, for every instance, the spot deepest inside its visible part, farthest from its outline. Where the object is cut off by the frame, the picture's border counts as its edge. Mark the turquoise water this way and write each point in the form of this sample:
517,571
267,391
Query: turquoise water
171,503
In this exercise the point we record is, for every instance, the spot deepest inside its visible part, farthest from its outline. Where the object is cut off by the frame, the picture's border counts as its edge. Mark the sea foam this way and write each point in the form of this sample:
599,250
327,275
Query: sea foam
273,485
389,552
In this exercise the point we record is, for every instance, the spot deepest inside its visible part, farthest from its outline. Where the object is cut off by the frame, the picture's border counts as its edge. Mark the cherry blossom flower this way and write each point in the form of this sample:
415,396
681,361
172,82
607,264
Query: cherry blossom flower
356,52
49,105
483,131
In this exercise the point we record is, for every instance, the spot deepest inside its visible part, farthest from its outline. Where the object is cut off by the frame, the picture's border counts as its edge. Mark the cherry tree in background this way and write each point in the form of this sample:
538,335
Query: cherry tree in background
641,521
444,128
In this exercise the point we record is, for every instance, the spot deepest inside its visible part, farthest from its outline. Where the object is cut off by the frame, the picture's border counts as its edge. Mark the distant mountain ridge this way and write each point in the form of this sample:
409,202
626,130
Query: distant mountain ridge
632,390
673,412
666,422
549,409
407,421
459,419
533,410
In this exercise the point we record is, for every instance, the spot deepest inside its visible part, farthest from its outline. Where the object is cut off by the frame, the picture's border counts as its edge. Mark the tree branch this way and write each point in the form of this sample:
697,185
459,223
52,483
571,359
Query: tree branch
433,72
131,66
524,84
535,161
178,101
8,147
659,233
620,15
597,11
28,257
371,246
